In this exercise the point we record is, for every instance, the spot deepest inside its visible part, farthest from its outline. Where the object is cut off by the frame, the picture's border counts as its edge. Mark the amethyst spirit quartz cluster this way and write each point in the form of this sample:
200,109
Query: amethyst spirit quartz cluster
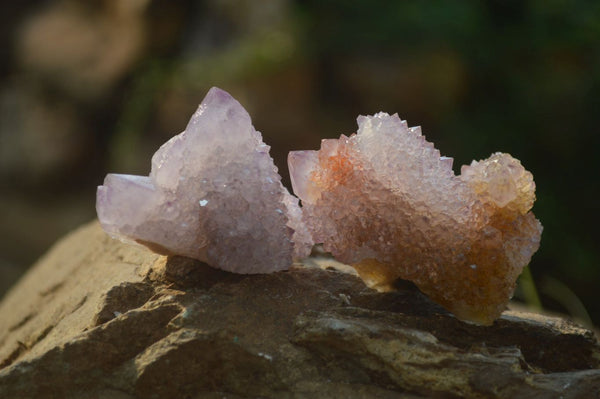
382,200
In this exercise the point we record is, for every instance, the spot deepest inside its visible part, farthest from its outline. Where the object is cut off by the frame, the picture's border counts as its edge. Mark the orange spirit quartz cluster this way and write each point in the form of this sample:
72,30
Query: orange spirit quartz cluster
385,201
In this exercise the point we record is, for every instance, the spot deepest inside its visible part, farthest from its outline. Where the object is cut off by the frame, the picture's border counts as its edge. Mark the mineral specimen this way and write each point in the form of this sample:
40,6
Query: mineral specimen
213,194
385,201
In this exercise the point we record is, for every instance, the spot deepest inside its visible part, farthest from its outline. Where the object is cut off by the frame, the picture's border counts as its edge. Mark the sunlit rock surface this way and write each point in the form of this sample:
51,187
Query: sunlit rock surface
98,319
385,201
213,194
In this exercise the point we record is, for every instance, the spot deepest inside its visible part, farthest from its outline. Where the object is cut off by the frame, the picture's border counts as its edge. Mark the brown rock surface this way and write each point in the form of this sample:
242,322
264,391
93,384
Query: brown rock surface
99,319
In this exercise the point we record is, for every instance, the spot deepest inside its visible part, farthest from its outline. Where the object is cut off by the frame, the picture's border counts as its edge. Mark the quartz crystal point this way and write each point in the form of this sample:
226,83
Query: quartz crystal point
385,201
213,194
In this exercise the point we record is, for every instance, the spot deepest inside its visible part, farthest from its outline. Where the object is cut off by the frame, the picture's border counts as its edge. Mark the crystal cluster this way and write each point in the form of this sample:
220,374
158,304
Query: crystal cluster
213,194
385,201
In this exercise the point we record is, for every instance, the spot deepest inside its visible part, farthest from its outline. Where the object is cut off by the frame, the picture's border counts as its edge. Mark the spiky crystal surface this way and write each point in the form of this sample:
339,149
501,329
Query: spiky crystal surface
385,201
213,194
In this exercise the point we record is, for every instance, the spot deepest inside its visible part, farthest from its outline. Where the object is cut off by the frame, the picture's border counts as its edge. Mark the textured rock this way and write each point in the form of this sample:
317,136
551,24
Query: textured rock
385,201
213,194
99,319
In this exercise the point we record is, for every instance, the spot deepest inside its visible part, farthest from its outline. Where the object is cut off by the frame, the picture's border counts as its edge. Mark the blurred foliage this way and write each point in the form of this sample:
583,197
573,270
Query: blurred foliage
521,77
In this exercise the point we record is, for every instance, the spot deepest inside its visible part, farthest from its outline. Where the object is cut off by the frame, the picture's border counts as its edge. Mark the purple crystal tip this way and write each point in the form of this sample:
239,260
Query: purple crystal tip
213,194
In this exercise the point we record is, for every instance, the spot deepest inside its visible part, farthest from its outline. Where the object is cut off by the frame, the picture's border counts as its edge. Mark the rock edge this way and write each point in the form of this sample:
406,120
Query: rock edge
95,318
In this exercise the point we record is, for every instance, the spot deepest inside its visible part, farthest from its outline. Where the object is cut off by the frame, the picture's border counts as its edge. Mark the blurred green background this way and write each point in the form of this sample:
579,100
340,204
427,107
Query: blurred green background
93,87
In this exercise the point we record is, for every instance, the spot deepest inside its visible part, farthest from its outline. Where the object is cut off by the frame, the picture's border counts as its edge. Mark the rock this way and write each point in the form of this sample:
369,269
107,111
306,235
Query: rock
96,318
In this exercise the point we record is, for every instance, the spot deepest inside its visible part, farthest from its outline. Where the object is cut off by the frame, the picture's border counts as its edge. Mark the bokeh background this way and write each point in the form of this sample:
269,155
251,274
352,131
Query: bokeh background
93,87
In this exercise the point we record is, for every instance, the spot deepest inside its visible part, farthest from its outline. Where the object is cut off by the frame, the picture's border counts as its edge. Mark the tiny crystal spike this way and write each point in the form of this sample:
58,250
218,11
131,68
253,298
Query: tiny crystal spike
213,194
385,201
